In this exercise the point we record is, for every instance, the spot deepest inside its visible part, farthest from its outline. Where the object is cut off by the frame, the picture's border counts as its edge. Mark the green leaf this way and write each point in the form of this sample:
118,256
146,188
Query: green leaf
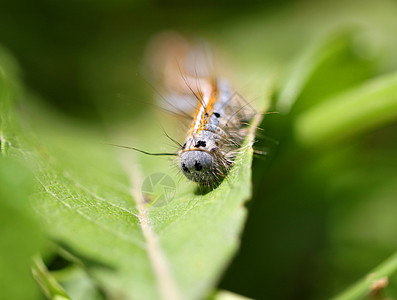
370,105
90,200
226,295
364,286
20,233
326,67
49,285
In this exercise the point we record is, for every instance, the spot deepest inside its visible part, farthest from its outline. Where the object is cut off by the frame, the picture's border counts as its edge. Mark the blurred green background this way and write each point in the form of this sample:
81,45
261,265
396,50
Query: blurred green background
323,213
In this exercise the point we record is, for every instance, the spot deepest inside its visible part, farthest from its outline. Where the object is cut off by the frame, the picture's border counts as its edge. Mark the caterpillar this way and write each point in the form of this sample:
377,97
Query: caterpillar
221,118
215,135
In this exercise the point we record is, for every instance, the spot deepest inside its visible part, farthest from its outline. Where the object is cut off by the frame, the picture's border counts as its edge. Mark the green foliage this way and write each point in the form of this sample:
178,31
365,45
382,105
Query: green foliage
323,204
372,104
90,200
20,234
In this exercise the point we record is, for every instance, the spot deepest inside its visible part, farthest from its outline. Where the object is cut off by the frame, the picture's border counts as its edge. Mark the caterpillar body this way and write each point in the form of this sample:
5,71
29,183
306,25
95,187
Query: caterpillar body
185,75
216,133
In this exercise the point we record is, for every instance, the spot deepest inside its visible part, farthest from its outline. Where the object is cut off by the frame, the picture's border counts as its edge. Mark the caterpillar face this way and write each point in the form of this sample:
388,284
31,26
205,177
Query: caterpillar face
197,165
199,158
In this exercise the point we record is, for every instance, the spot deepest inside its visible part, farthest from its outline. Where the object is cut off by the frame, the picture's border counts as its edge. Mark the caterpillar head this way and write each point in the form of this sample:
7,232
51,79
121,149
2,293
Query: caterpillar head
196,165
203,167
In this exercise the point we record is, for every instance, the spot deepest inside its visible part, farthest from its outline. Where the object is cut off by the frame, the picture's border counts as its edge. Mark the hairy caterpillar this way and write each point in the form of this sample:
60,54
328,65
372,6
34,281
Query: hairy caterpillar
216,133
221,117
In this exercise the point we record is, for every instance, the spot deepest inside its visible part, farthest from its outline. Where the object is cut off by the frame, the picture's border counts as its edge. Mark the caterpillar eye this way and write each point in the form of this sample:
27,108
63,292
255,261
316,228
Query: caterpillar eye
198,166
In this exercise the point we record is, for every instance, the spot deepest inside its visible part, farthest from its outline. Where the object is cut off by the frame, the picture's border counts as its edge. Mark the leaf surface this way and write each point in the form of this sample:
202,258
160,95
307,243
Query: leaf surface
90,199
